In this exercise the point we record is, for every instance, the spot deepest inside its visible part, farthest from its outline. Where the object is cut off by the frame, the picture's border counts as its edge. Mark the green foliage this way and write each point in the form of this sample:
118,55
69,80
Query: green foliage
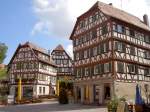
63,98
3,50
63,93
3,73
112,104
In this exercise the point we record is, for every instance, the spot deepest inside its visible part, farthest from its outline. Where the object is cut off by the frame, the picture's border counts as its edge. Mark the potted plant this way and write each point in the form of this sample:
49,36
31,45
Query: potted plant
112,105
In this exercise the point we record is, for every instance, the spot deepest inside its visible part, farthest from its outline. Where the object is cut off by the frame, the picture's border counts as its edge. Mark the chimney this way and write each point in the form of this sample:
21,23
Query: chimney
110,4
145,19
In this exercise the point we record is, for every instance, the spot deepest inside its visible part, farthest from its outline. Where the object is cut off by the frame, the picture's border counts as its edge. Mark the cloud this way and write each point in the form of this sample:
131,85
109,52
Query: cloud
57,18
69,50
53,18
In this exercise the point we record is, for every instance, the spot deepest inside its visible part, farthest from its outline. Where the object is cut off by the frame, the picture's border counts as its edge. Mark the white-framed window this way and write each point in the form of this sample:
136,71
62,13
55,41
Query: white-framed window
107,67
120,67
87,71
96,69
85,54
94,51
119,46
147,54
131,68
77,56
40,90
43,90
132,50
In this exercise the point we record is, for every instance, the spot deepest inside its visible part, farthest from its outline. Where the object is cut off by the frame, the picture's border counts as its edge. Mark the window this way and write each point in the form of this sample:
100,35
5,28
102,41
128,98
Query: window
120,67
77,56
147,72
107,67
91,52
78,72
40,90
85,54
93,18
105,47
94,51
132,33
43,90
81,55
65,62
120,46
104,30
87,71
132,50
120,29
96,69
94,34
77,42
18,66
58,62
147,39
147,54
82,24
131,68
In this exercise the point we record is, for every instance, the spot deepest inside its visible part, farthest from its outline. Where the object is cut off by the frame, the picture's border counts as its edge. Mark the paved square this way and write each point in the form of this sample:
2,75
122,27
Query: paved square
52,106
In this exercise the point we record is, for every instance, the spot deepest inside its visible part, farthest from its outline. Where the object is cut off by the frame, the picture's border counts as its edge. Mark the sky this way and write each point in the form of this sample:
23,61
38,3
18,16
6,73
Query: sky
48,23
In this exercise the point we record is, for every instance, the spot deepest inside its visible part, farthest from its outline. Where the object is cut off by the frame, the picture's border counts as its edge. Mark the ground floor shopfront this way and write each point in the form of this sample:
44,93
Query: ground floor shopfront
93,91
32,91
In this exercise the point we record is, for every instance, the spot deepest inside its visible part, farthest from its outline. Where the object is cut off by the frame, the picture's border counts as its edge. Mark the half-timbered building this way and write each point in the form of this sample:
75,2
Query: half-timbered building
34,66
63,62
111,54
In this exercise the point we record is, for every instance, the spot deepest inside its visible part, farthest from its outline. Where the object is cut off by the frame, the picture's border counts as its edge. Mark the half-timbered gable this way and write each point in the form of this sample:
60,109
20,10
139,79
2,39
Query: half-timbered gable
33,65
64,63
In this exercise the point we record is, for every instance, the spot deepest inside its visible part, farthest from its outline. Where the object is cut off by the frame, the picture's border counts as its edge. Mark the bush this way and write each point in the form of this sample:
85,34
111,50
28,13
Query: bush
63,99
112,105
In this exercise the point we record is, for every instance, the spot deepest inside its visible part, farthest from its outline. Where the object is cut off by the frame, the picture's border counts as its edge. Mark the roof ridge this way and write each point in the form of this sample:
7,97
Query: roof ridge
99,2
59,47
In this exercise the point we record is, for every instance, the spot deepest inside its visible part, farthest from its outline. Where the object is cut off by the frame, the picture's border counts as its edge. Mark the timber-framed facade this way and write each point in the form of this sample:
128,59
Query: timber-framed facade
111,54
63,62
34,66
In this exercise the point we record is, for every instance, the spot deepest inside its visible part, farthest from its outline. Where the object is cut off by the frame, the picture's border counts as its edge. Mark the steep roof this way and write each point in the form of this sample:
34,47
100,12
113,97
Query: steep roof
116,13
37,48
121,15
59,48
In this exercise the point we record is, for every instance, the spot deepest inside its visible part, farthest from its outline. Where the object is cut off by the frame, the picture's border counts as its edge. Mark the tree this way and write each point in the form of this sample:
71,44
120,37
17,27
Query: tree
63,98
3,73
3,50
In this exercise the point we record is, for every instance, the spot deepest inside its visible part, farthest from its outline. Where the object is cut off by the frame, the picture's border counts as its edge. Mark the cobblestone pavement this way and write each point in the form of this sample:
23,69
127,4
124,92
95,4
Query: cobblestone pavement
52,106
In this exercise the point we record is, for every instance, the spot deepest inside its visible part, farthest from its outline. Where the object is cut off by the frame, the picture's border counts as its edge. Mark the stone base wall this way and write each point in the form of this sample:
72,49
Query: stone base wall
128,90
